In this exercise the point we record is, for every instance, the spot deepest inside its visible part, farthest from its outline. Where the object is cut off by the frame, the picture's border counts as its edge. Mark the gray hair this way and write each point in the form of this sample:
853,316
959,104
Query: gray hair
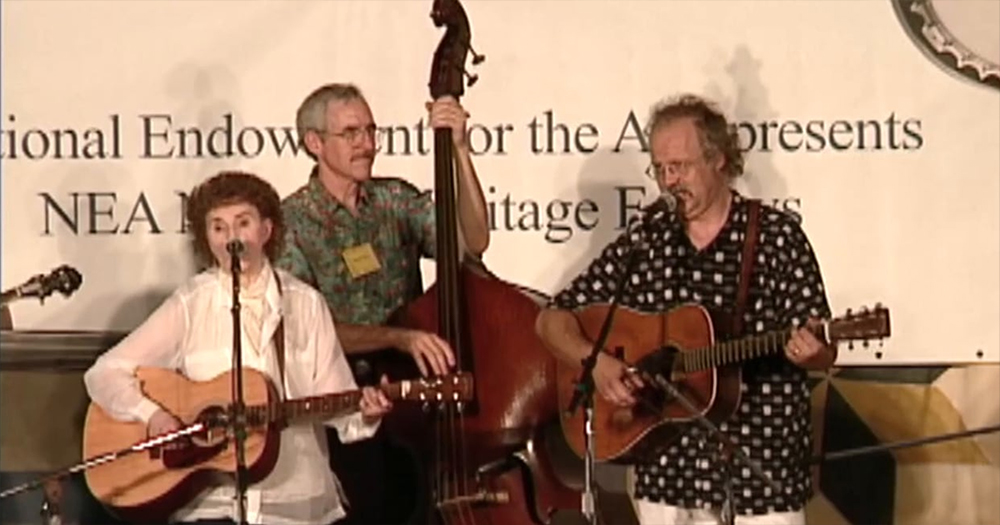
715,134
311,115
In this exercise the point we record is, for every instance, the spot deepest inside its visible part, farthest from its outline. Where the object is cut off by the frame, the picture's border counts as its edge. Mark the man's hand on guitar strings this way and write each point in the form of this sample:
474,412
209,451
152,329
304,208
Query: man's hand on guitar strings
164,422
613,381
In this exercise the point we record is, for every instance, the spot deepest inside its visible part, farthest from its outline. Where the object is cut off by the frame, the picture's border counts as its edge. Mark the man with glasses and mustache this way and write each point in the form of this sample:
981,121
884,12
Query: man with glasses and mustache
359,239
695,254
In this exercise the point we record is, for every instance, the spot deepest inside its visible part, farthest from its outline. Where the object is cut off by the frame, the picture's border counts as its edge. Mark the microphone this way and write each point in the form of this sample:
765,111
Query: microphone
667,202
664,205
235,247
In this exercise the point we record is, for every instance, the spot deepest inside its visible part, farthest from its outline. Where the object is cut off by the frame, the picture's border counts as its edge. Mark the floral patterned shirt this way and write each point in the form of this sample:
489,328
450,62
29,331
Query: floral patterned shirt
393,216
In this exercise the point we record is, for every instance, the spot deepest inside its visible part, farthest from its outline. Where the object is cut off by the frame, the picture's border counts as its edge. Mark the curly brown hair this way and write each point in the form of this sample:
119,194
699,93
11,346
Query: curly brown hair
716,134
232,187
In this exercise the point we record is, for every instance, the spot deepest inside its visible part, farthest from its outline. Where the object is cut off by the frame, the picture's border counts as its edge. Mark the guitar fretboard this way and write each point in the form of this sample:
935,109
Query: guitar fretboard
729,352
315,407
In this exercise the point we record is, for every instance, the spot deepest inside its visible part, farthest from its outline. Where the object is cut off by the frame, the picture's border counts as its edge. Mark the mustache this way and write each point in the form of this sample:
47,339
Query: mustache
679,192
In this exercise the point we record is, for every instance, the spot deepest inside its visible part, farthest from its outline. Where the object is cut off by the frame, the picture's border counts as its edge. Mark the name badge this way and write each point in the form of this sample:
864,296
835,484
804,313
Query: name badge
361,260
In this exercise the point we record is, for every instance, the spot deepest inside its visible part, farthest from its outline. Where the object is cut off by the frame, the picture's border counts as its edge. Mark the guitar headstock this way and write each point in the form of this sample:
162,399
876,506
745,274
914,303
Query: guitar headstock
64,279
864,325
457,388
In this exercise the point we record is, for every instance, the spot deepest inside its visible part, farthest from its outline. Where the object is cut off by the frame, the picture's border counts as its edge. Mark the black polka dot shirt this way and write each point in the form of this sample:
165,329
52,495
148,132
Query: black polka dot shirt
772,423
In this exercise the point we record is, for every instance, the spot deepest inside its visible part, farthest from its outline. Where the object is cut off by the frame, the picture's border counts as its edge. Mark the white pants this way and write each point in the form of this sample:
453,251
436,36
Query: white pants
650,513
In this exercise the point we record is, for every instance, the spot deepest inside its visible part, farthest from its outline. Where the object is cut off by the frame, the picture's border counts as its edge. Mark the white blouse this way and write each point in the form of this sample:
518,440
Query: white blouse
192,333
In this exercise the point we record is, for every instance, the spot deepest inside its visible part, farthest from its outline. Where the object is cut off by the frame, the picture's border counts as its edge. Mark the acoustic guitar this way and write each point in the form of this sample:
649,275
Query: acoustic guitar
680,346
151,485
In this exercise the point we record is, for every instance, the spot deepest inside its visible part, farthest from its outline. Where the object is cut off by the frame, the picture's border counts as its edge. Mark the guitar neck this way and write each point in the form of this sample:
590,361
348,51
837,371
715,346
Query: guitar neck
735,351
315,408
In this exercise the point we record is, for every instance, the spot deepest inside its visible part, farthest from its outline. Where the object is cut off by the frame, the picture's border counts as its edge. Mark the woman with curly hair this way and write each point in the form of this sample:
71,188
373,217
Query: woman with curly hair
192,333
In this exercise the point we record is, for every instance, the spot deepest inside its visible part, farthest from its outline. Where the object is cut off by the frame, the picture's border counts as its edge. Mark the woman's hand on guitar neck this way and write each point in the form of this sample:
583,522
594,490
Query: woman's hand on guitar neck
613,381
374,403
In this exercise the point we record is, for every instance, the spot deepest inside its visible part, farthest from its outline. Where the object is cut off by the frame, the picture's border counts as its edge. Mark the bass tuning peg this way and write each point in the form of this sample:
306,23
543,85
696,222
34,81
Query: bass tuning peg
476,57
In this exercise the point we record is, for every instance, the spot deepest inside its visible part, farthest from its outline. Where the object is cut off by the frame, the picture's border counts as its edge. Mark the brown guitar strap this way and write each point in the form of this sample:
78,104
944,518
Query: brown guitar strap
749,247
279,339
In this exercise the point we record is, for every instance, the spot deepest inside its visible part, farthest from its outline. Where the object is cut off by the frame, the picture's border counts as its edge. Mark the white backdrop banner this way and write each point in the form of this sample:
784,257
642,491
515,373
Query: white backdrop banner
859,118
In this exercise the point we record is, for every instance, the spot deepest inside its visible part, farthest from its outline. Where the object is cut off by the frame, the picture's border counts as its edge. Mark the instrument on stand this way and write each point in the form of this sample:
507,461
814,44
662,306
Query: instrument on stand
64,279
484,461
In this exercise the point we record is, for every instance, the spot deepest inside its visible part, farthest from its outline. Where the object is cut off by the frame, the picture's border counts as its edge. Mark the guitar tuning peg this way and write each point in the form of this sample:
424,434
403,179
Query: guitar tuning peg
864,343
850,345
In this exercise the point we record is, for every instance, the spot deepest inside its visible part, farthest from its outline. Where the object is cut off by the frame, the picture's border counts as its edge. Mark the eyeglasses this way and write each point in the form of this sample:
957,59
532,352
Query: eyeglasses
354,135
680,167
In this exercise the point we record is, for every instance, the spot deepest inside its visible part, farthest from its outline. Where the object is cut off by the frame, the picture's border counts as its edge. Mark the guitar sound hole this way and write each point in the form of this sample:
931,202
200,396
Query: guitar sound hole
202,446
216,420
652,402
195,448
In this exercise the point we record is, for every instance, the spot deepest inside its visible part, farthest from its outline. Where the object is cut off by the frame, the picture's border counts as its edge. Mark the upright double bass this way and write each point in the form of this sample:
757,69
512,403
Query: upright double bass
483,461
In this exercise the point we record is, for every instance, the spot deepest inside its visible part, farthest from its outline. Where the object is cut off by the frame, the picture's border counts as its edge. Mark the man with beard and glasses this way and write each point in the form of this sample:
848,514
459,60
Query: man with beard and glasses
695,255
359,240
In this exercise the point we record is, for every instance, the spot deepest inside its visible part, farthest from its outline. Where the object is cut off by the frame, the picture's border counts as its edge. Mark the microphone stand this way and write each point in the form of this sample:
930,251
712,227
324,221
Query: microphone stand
584,390
238,418
871,449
